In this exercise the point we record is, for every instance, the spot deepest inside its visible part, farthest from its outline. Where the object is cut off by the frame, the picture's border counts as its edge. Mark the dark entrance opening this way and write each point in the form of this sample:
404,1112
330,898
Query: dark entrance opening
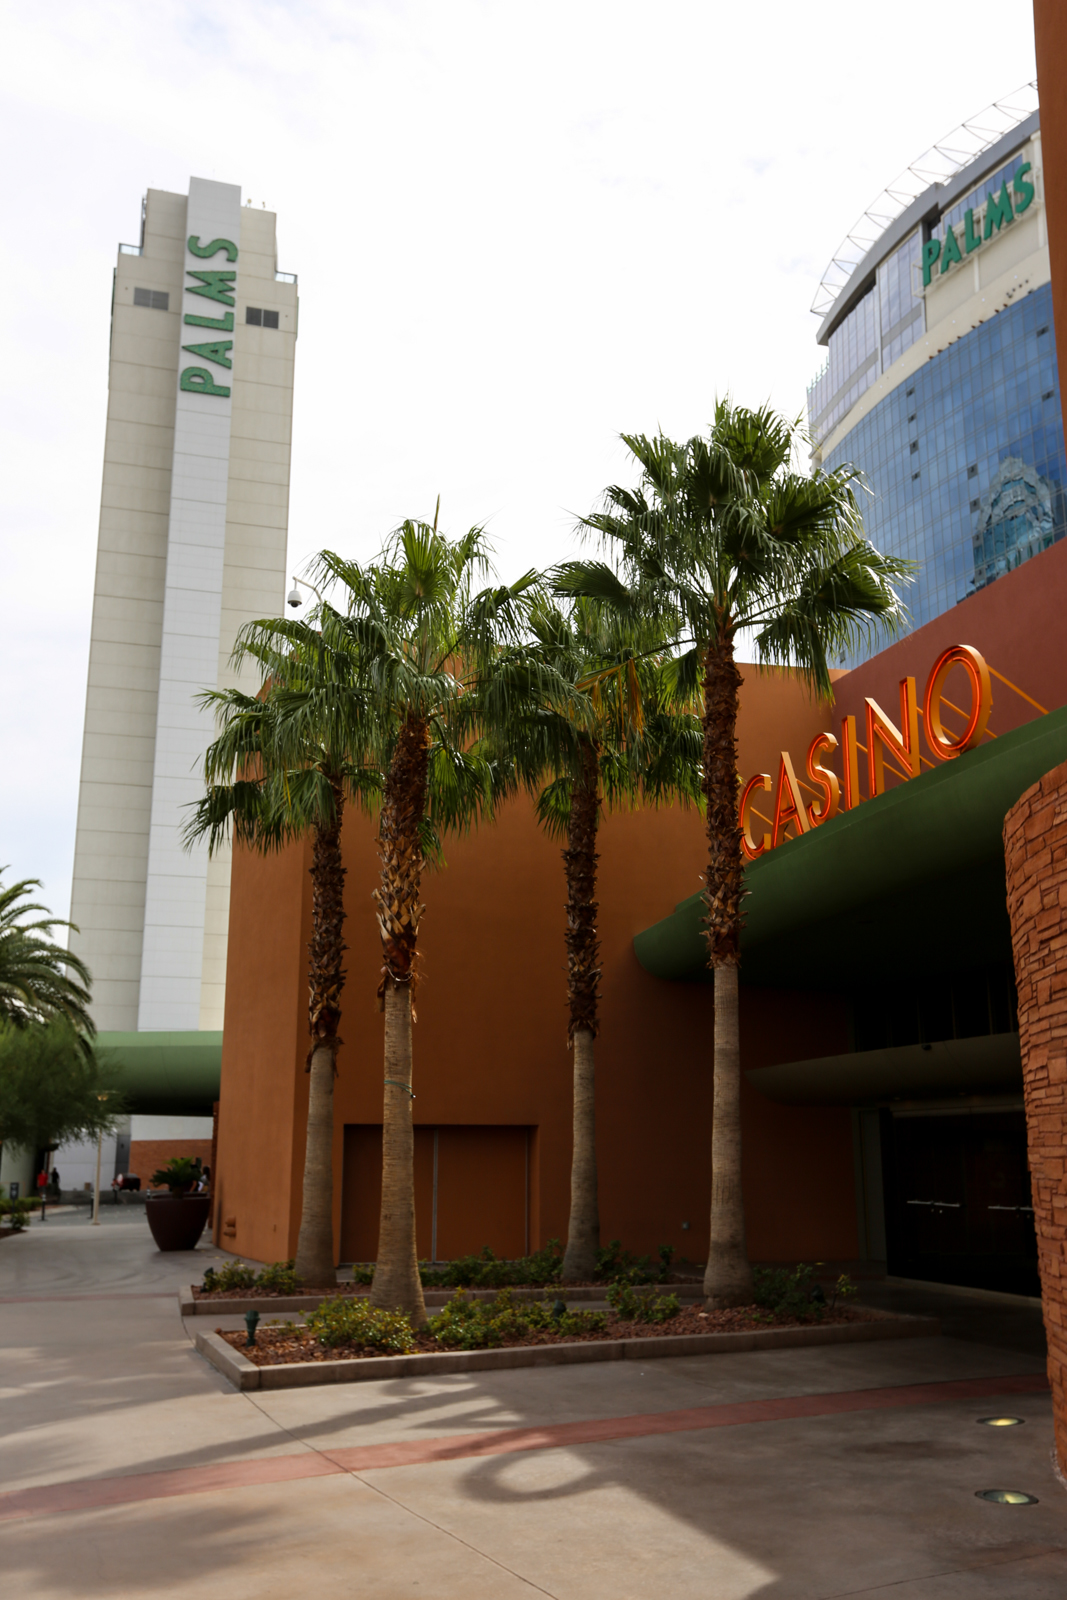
958,1208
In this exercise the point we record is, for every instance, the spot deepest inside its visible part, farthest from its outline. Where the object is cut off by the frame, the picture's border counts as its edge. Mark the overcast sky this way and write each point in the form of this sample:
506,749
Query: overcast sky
519,230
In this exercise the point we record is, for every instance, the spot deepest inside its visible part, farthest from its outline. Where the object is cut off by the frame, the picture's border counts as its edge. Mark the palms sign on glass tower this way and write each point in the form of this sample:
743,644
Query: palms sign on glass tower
218,285
998,212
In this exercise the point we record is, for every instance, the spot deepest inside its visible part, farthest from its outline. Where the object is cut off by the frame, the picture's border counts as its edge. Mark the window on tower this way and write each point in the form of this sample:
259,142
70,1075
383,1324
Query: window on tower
155,299
260,318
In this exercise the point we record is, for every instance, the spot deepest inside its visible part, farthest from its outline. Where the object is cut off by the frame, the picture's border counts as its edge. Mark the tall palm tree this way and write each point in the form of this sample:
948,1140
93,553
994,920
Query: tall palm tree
39,980
283,767
724,534
634,748
445,666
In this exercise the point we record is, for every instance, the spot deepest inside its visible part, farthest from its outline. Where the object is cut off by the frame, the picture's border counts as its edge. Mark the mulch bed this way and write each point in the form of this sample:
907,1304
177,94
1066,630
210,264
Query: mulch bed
334,1289
276,1346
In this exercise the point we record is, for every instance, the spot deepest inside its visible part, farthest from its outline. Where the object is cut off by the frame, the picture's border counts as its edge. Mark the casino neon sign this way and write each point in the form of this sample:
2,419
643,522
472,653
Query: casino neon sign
885,742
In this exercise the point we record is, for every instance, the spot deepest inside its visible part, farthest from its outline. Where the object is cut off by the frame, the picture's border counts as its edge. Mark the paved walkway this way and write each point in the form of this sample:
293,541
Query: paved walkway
128,1467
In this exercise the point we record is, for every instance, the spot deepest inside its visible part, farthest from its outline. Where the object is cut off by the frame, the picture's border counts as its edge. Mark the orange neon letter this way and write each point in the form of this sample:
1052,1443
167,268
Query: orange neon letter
788,802
825,779
851,763
882,736
946,744
750,848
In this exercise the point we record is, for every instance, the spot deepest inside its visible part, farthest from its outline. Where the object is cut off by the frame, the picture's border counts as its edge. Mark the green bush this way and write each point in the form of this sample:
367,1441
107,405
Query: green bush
465,1324
350,1320
489,1271
279,1276
629,1306
179,1175
17,1213
231,1275
362,1275
796,1293
614,1264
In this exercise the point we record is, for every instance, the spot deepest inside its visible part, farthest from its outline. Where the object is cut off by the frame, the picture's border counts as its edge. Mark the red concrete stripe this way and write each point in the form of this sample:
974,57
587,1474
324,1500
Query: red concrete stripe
558,1435
85,1494
89,1494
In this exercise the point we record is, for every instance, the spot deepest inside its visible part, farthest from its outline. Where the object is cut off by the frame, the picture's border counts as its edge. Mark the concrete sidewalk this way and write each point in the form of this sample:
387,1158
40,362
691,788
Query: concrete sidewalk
248,1495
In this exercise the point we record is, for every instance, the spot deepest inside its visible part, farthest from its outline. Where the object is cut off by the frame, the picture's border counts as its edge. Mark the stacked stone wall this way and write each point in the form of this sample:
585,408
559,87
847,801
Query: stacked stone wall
1035,845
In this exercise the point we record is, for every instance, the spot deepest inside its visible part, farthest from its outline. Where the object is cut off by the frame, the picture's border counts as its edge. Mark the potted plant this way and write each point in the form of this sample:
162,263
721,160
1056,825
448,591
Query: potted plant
177,1218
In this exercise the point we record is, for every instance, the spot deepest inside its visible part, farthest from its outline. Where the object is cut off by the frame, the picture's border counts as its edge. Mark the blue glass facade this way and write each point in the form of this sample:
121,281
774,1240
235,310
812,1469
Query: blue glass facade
966,460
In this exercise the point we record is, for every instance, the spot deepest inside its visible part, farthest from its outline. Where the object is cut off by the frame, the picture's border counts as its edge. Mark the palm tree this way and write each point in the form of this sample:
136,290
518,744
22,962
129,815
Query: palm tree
39,980
633,748
444,666
283,767
723,534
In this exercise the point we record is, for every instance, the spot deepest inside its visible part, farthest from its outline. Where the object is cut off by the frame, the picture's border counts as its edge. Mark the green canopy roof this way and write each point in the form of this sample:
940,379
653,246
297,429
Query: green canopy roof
910,881
175,1074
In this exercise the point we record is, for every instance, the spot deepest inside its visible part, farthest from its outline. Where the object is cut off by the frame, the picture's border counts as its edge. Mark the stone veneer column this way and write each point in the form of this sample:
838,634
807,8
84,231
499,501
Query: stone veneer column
1035,846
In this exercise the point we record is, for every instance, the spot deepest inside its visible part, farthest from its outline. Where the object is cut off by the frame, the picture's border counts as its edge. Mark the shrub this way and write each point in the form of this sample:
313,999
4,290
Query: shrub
17,1213
796,1293
231,1275
629,1306
618,1265
179,1175
465,1324
279,1276
362,1275
352,1321
489,1271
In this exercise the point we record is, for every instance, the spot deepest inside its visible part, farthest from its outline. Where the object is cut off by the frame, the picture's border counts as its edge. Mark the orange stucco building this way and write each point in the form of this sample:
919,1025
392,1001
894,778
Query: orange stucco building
492,1067
826,1168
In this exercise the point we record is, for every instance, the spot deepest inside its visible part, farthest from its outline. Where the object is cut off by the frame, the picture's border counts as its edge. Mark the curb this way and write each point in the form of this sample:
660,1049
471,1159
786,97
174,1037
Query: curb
244,1374
190,1306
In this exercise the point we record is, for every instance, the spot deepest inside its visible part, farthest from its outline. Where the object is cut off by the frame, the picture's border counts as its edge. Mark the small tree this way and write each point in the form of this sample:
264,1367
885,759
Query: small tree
633,748
724,534
447,668
53,1088
283,767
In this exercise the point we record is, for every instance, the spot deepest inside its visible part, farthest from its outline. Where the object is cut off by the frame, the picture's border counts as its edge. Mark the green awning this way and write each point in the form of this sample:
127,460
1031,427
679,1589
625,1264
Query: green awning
989,1065
175,1074
911,881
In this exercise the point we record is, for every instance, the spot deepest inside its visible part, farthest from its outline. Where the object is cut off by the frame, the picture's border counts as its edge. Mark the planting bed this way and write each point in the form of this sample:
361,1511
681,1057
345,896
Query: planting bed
288,1344
651,1343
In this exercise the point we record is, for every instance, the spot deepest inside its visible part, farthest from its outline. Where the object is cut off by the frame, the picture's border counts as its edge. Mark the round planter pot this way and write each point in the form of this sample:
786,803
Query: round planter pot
177,1224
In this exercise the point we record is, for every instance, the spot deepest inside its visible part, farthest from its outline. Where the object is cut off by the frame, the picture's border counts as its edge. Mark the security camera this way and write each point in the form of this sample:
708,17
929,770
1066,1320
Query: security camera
295,598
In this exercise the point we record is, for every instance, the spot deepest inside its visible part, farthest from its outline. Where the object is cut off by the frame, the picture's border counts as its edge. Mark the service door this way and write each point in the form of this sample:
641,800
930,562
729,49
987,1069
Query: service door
471,1190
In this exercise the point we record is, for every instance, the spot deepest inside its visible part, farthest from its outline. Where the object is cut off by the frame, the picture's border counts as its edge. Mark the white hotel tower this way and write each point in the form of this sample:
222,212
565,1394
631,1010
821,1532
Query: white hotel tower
193,522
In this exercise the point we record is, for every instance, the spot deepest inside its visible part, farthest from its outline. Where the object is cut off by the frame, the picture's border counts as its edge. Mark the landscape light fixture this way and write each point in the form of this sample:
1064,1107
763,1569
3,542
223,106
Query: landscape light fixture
1002,1422
251,1323
1006,1497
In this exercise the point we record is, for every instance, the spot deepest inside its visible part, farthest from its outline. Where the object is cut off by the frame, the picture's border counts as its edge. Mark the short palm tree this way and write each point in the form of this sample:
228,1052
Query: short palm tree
39,980
634,748
723,534
283,767
446,667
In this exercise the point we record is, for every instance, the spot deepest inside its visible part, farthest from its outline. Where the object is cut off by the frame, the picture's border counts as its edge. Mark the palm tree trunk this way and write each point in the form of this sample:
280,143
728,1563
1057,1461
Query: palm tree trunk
316,1261
583,973
397,1286
728,1278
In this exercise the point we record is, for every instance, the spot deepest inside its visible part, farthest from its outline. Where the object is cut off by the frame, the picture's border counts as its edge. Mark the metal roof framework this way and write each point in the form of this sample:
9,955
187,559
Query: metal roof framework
937,165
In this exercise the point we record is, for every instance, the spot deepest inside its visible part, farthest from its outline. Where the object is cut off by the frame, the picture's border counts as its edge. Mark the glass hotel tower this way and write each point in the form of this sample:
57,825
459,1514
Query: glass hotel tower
941,381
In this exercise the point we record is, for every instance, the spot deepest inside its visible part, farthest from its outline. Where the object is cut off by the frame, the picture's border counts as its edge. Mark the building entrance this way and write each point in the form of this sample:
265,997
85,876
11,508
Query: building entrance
958,1207
472,1189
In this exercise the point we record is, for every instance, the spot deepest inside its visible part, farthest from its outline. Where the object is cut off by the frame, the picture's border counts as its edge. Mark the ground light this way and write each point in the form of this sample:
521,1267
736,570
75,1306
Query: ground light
1002,1422
1006,1497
